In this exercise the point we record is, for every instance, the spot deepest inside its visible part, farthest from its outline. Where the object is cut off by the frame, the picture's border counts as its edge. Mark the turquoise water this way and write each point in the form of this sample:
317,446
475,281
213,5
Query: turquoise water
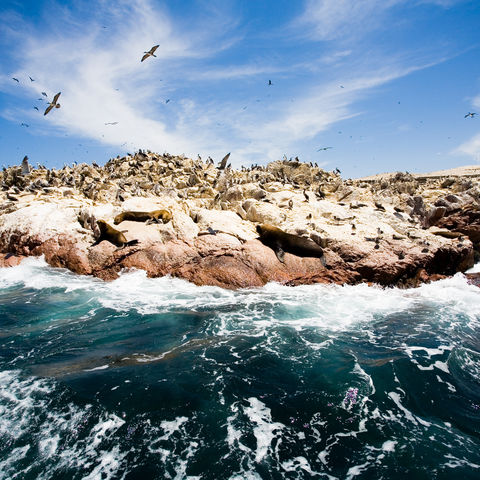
157,378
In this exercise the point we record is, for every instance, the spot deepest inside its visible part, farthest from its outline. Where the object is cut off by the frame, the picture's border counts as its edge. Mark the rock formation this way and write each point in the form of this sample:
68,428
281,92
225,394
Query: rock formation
397,232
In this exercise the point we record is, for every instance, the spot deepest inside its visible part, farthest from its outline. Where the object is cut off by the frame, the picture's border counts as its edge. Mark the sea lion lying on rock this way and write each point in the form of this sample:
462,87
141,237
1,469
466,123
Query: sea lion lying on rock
108,233
148,217
281,242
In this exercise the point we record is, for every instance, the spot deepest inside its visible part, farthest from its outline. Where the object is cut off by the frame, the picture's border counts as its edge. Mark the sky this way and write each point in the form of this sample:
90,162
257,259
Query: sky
365,86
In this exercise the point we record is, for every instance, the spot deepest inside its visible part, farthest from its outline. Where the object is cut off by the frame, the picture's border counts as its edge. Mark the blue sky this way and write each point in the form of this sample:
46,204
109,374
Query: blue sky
384,83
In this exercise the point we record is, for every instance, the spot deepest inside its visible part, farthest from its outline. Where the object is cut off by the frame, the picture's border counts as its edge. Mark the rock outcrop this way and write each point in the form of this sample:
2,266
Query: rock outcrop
400,232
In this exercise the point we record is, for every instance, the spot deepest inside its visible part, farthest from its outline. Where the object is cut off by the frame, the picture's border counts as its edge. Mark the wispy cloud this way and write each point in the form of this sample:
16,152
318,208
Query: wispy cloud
443,3
472,146
97,68
342,19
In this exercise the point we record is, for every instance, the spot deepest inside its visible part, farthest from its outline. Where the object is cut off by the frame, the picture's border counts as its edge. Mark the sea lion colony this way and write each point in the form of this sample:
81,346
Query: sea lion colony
420,203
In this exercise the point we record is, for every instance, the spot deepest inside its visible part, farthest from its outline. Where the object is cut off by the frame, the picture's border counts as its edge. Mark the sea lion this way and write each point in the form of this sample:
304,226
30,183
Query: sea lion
149,217
108,233
281,242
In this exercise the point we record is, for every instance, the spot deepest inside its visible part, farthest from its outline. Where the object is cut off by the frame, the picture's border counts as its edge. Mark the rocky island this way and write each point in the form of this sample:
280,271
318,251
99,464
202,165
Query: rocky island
398,229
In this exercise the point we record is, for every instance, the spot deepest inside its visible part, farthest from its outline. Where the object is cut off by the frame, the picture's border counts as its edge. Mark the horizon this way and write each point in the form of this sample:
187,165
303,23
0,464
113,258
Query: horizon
373,89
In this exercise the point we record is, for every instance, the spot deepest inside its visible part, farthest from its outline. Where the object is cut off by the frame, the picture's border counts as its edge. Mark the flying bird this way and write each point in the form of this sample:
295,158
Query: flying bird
16,79
150,53
53,103
324,148
167,100
36,108
270,82
31,79
470,114
111,123
44,94
24,125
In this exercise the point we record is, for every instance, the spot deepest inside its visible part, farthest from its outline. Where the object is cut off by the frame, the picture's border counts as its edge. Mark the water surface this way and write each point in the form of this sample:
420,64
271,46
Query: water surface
157,378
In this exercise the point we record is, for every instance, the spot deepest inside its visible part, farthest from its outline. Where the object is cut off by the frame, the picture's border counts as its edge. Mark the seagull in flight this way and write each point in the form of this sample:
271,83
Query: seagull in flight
150,53
111,123
36,108
44,94
270,82
31,79
24,125
324,148
16,79
470,114
53,103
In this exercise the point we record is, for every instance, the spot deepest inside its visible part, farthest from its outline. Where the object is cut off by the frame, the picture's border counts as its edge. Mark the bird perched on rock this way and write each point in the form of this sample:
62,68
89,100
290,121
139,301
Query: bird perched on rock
53,103
379,206
319,194
223,162
150,53
307,198
25,166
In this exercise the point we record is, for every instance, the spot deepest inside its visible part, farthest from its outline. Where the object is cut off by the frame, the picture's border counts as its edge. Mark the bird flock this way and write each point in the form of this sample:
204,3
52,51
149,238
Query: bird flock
54,103
151,53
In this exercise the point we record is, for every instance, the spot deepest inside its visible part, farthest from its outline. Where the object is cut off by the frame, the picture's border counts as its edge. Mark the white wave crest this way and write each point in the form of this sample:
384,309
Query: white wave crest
332,307
28,412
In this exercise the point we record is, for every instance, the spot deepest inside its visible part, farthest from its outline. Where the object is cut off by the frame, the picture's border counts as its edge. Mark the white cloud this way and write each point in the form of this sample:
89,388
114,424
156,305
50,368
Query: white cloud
443,3
342,19
314,112
99,73
476,102
470,148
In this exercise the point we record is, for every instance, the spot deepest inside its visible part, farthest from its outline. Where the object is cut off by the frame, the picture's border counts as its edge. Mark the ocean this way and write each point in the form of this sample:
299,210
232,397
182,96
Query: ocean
146,378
